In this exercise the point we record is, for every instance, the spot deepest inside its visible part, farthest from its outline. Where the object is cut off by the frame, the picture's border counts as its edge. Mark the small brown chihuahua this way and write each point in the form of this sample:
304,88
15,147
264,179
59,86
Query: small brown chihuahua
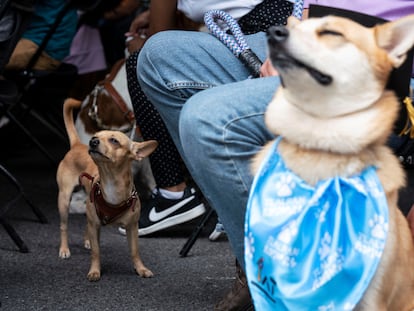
104,169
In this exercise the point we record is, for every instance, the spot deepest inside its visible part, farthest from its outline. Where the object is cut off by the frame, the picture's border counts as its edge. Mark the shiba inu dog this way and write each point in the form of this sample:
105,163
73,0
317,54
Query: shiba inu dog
332,116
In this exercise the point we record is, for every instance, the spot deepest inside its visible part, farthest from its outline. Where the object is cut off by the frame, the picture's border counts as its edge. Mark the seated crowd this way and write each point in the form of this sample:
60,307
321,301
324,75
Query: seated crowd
189,93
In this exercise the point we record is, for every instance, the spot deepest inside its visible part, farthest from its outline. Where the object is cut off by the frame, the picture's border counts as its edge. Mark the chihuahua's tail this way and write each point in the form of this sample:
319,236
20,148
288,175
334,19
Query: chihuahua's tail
69,105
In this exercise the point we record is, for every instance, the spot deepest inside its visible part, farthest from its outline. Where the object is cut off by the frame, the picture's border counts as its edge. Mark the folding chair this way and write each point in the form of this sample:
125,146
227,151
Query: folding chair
197,231
9,93
5,207
37,87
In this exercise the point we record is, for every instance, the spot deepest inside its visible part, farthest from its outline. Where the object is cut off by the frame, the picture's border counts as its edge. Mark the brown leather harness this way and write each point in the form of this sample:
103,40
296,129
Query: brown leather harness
107,212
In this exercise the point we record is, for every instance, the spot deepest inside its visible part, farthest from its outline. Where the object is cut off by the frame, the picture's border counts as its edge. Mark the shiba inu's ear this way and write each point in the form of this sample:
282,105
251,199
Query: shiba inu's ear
397,38
143,149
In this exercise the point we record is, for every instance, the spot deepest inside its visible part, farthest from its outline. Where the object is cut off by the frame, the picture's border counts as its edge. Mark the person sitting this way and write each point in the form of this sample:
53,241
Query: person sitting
43,16
214,114
168,168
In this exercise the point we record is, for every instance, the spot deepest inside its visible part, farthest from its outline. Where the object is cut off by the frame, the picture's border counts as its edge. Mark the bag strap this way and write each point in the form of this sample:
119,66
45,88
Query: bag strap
234,41
298,9
107,84
225,28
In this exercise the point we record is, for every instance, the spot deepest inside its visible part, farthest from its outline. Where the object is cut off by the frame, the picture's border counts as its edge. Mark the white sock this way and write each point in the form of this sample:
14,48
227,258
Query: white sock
172,195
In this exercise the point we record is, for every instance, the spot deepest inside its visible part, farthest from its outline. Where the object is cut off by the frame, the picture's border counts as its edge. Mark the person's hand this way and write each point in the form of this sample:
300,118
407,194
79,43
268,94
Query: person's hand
141,21
135,43
267,69
138,32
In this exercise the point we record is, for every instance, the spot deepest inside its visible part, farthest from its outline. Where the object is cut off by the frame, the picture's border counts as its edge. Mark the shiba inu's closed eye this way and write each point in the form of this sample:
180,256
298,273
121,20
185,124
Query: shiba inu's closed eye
325,32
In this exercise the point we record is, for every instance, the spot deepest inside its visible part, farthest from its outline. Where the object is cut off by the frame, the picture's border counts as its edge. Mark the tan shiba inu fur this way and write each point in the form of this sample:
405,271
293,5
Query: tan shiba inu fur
335,116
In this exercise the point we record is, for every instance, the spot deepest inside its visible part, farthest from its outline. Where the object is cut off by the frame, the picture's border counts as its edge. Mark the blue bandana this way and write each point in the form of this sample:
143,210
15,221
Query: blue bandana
312,248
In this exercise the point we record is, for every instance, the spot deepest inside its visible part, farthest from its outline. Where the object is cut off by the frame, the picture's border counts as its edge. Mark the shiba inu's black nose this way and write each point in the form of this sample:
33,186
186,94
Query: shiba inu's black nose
277,33
94,142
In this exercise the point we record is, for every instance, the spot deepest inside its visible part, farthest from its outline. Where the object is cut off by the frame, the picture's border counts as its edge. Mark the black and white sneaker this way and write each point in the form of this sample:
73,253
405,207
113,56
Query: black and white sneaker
159,213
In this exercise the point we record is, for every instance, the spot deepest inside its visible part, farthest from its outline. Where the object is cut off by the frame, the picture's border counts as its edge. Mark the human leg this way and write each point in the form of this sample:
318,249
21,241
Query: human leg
175,65
221,129
212,131
169,77
166,164
188,72
198,61
24,51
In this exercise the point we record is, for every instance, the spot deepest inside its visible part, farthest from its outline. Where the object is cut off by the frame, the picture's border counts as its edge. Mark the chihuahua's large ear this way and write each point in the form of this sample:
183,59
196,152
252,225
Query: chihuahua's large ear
143,149
397,38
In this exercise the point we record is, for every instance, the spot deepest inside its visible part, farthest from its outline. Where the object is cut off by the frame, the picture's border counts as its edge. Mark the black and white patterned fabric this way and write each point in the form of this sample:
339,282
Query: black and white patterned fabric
266,14
166,163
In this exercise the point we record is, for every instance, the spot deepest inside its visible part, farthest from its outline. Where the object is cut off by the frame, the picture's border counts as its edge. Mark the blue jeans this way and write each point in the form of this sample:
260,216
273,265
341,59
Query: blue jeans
217,131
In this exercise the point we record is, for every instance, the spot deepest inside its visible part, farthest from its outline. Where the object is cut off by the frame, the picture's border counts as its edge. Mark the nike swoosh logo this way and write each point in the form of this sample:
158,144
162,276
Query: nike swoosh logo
155,216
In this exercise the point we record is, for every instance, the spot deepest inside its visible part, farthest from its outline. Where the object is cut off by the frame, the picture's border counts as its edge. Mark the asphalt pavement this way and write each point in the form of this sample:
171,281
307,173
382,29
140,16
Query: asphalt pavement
39,280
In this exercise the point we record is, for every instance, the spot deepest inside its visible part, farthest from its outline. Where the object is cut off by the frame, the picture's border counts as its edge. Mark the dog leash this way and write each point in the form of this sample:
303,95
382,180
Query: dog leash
298,9
218,22
235,41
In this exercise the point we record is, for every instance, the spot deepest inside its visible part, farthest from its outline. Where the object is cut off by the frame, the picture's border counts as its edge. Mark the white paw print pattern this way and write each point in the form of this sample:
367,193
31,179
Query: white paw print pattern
288,233
320,212
330,267
280,252
378,227
331,262
325,248
285,185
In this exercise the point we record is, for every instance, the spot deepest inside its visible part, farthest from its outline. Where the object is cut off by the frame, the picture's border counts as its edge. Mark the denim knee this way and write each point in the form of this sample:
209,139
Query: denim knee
200,125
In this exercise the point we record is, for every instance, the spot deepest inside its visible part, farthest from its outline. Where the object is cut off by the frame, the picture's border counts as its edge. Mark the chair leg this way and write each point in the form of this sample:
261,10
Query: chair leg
32,138
14,236
48,125
196,232
7,226
42,218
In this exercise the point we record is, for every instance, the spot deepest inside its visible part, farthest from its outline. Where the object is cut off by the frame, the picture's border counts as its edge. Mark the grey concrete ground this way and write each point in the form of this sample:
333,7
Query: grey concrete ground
39,280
